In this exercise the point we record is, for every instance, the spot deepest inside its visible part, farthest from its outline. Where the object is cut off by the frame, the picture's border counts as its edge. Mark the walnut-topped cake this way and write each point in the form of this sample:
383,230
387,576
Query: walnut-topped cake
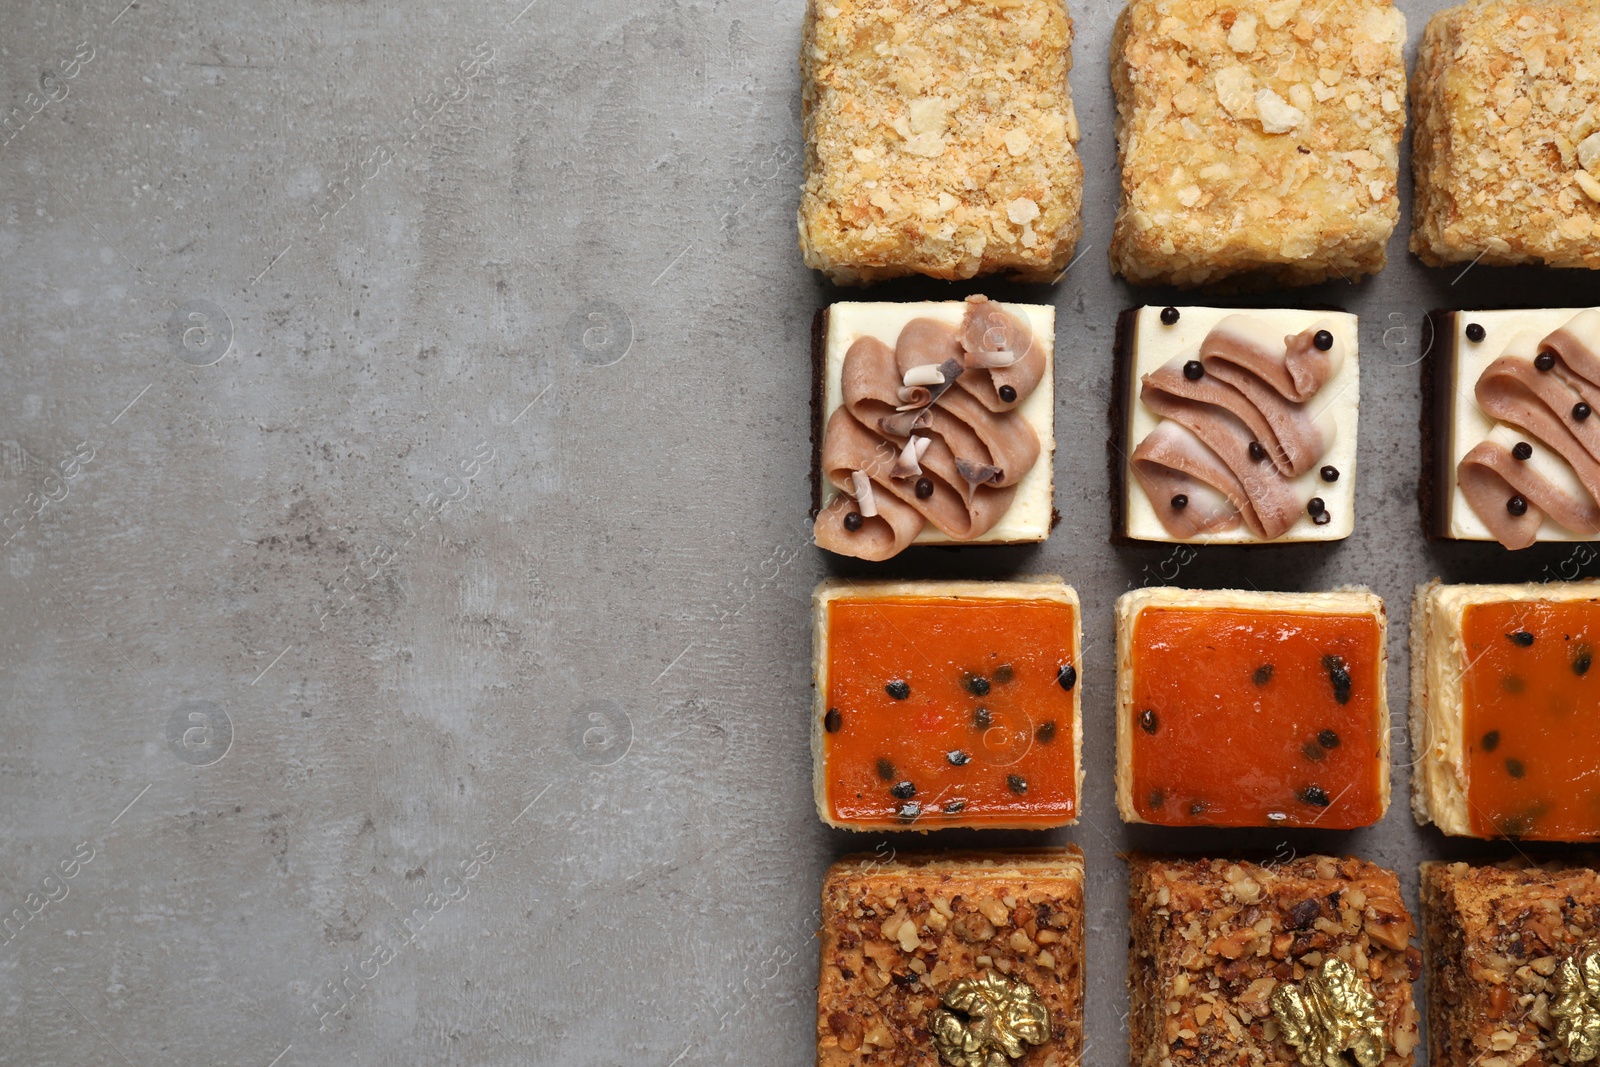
1303,962
1506,138
1508,951
939,139
1259,140
964,959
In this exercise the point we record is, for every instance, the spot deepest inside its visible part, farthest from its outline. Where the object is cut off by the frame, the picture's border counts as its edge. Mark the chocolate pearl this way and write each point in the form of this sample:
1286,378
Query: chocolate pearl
1003,674
1521,637
1581,411
1169,316
1180,501
1522,450
1545,360
1149,721
1330,474
1328,739
1322,520
924,488
853,521
832,721
981,718
1194,370
1475,332
958,758
953,807
976,684
1046,732
1067,677
898,689
1315,795
1257,452
885,769
1017,784
1312,752
1582,660
1322,340
1157,798
1515,768
1491,740
1008,393
1517,506
1316,506
903,790
1513,684
1262,675
909,811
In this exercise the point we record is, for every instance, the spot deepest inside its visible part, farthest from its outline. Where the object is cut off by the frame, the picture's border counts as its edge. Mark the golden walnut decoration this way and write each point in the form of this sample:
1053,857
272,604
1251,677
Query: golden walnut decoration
1577,1006
1331,1012
983,1022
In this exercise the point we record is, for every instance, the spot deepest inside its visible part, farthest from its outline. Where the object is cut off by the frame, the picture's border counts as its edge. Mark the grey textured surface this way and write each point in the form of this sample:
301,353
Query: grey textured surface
459,546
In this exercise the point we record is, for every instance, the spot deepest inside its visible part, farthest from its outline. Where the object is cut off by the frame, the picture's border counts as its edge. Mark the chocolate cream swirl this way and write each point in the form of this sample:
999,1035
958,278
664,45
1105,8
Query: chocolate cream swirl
1234,435
938,410
1542,459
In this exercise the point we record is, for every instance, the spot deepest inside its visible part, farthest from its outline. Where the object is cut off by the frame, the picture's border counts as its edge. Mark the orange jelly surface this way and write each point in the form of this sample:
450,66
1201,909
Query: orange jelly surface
950,712
1249,718
1532,719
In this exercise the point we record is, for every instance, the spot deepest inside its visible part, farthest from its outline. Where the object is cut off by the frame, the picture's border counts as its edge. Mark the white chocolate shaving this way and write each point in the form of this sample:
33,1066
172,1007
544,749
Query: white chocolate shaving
926,374
1003,357
866,500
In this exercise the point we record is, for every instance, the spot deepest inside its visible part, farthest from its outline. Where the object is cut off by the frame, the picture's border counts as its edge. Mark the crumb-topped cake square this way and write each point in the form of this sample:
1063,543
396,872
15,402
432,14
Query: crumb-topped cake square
1506,135
1509,447
1502,709
1512,955
934,424
1259,140
939,139
1304,962
965,958
1234,427
946,703
1242,708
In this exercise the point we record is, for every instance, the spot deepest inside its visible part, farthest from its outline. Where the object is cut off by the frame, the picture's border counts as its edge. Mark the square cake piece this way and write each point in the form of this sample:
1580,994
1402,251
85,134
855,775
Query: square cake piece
1508,446
933,424
1502,709
1502,946
1506,135
939,139
916,950
1302,962
1259,140
943,704
1252,709
1234,427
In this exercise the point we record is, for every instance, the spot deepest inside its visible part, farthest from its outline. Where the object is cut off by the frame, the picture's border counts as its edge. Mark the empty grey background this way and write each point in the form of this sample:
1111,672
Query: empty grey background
454,541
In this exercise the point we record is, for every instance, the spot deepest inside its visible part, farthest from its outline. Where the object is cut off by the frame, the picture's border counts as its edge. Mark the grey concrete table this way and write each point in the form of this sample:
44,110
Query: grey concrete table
403,461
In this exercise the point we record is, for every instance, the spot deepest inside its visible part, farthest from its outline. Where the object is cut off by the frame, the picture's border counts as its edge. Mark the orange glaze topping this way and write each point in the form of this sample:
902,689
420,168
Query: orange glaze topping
950,711
1532,719
1254,718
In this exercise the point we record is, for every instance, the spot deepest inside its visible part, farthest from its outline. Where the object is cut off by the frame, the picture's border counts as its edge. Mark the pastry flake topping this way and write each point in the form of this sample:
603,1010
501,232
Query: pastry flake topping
1330,1013
1577,1006
985,1022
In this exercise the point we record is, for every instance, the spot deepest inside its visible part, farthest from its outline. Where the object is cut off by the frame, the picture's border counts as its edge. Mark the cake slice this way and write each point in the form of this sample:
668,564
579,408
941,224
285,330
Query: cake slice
1286,963
1234,427
1506,108
933,424
1252,709
919,950
945,704
939,140
1259,140
1502,709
